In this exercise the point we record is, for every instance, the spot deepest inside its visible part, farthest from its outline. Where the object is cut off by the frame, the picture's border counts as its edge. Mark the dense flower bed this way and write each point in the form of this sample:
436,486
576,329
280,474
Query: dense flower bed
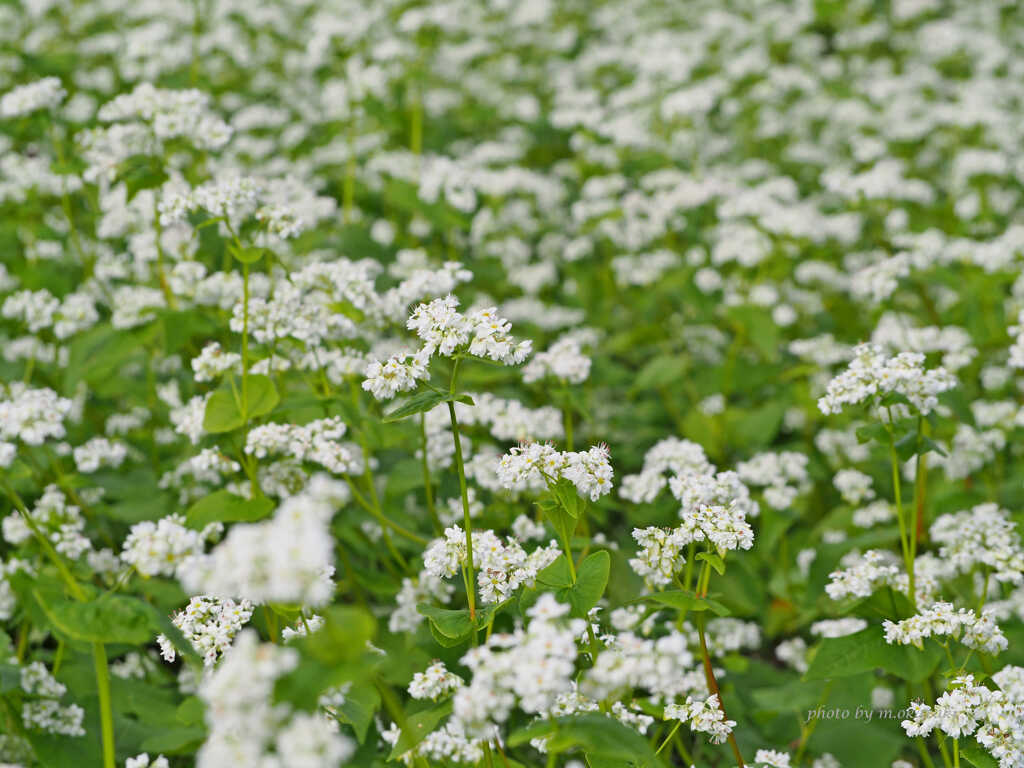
547,383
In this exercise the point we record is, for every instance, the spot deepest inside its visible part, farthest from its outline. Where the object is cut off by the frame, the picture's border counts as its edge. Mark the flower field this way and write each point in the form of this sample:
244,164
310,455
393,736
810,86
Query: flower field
540,384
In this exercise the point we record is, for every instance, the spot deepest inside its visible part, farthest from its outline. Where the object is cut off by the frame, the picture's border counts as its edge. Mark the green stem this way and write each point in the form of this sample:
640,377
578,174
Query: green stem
99,657
245,340
709,675
668,738
904,542
461,469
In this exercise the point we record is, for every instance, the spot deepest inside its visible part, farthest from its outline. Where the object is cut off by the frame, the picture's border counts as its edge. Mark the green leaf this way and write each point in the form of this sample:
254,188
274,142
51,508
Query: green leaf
222,409
553,511
361,703
976,755
175,740
686,601
343,637
224,507
714,560
867,650
222,413
111,618
246,255
262,396
418,727
140,172
556,574
191,711
423,401
591,579
455,625
599,736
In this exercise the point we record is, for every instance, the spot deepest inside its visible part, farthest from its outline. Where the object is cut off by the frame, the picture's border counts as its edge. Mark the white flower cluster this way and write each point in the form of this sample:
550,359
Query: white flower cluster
32,415
23,100
704,716
984,535
171,114
399,373
213,362
872,372
715,507
528,465
664,667
43,711
99,452
838,627
143,761
547,648
771,758
445,331
246,727
316,442
564,360
860,578
783,476
671,455
60,522
163,548
287,559
209,624
944,620
993,717
853,486
501,567
660,557
434,682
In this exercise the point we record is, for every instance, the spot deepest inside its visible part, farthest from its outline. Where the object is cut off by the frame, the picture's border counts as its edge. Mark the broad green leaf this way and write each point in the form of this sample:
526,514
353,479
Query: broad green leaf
225,507
139,172
246,255
361,703
450,623
111,618
867,650
714,560
423,401
222,412
261,395
976,755
591,579
343,637
556,574
418,727
686,601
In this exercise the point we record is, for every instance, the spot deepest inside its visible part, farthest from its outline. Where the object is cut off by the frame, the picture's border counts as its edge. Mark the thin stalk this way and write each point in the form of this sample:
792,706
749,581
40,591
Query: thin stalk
904,540
668,738
349,189
99,657
245,339
461,469
709,674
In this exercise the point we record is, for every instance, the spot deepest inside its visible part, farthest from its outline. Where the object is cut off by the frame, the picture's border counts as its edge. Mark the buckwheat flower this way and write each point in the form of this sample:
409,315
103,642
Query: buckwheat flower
564,360
984,535
880,511
287,559
491,338
527,465
440,325
942,619
828,760
863,576
47,93
872,372
144,761
188,418
838,627
51,716
36,680
793,653
680,457
99,452
659,558
399,373
161,548
135,305
771,757
209,624
434,682
853,486
427,587
33,415
704,716
37,309
213,362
